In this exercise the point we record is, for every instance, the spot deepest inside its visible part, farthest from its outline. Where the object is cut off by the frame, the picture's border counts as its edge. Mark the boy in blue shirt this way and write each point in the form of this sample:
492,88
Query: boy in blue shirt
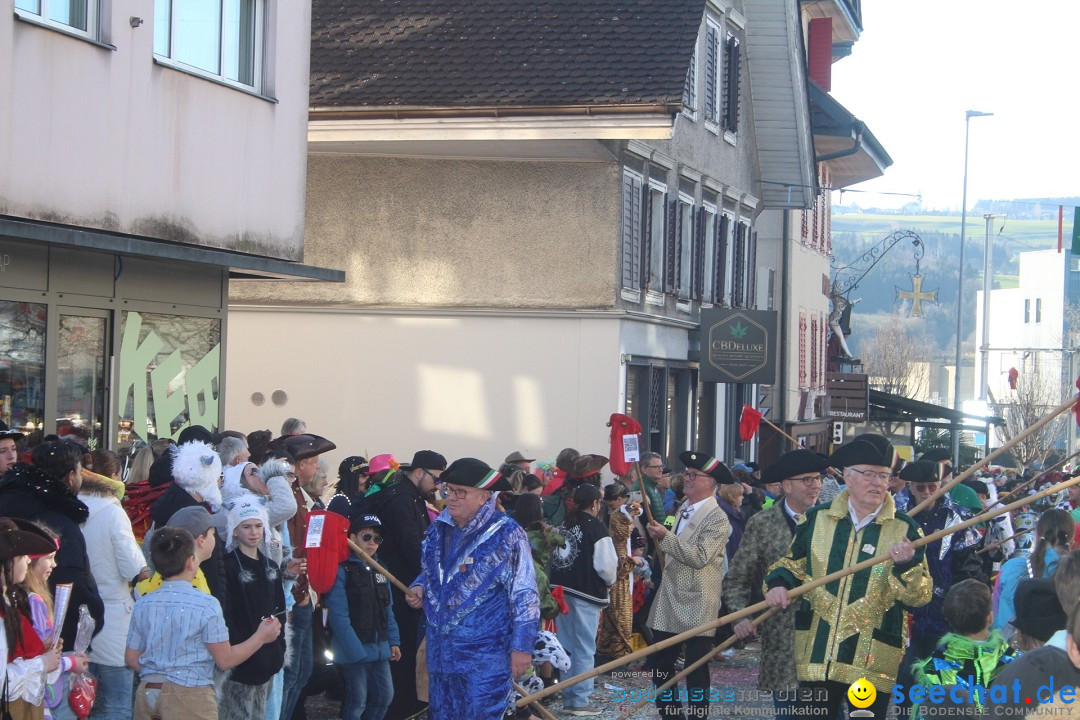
178,634
365,633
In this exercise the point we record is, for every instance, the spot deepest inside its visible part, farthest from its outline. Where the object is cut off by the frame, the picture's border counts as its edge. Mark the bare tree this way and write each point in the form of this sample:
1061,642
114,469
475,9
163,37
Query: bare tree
1035,395
895,357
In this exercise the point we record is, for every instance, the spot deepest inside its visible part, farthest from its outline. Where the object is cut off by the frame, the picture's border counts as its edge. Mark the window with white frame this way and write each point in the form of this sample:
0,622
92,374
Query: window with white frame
685,245
711,69
656,229
709,251
220,38
78,16
689,97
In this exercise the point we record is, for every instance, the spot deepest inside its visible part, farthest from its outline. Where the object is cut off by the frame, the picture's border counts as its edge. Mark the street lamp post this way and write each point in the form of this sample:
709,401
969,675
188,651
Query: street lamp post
960,290
988,273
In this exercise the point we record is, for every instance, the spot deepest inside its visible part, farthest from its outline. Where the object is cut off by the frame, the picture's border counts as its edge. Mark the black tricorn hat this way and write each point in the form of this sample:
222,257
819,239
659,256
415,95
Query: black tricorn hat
867,449
470,472
922,471
708,465
307,445
22,537
586,465
790,464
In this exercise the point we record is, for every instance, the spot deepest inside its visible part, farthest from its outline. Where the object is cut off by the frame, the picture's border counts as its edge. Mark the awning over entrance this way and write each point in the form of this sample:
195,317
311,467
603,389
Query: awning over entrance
896,408
241,265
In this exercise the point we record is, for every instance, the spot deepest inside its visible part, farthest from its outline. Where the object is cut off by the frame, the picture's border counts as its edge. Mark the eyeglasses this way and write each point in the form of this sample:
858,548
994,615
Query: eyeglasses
459,492
434,477
654,467
694,475
809,480
879,476
925,487
369,537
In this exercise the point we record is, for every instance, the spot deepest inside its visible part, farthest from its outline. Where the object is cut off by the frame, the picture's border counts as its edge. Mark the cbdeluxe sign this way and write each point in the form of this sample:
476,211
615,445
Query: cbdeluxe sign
738,346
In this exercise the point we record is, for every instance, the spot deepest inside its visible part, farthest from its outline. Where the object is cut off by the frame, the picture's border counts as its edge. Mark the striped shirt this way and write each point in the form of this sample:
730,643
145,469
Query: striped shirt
172,628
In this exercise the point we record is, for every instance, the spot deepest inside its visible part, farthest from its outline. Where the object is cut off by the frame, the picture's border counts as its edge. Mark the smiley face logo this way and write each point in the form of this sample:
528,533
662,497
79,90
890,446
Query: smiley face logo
861,694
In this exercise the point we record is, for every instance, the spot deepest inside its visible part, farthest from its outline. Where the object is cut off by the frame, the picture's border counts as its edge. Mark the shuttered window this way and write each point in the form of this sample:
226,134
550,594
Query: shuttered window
732,79
672,246
751,268
689,96
713,82
687,264
631,231
723,261
654,227
738,286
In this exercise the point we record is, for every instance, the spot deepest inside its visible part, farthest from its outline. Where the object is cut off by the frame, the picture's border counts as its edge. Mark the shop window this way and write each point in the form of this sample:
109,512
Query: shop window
22,367
81,388
170,368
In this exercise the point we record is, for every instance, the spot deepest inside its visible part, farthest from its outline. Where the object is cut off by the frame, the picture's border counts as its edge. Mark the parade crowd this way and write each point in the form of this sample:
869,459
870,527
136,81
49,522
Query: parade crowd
222,576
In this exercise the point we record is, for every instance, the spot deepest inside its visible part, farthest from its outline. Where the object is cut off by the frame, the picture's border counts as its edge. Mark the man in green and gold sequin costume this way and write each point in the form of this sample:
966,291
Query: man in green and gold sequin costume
854,627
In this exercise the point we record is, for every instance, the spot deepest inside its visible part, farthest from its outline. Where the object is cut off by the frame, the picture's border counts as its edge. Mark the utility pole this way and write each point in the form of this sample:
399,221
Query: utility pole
988,273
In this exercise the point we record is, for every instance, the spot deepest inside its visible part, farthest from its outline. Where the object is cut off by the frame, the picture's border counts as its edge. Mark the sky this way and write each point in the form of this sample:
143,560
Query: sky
920,64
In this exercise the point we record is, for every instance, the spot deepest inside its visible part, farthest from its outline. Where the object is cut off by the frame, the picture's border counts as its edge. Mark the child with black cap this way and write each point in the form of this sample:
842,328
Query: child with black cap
366,635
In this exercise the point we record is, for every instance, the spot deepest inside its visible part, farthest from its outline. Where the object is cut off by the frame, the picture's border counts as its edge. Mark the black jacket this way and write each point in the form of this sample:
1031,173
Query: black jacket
405,519
1044,666
31,494
177,498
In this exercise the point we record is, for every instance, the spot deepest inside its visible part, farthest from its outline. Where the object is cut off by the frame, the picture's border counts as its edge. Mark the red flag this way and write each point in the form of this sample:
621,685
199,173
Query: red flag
1076,405
621,425
749,422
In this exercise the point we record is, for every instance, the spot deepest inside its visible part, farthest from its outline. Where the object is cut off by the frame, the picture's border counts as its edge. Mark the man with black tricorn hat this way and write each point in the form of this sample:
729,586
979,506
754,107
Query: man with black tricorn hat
690,590
853,628
478,588
797,474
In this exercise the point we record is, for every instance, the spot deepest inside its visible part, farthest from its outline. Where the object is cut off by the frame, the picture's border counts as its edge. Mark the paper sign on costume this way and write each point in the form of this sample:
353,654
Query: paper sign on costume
631,452
61,600
314,532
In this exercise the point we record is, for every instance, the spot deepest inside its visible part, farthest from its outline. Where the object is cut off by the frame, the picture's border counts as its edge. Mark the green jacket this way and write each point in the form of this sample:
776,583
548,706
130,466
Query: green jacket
543,539
959,660
656,502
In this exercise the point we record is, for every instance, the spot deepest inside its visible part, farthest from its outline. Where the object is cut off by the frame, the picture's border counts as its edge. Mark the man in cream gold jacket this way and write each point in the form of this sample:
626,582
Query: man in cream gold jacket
690,590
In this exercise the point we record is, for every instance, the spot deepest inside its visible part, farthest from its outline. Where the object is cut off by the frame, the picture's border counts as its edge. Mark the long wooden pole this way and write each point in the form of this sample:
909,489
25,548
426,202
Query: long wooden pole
1064,407
999,543
793,593
673,681
405,589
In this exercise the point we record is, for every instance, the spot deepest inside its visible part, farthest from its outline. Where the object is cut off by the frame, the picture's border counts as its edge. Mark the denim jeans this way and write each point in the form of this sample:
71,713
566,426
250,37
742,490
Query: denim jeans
368,690
116,687
577,633
63,711
273,700
299,671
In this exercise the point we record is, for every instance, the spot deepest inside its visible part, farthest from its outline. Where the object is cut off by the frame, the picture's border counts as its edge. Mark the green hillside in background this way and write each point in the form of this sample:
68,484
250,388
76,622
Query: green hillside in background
854,233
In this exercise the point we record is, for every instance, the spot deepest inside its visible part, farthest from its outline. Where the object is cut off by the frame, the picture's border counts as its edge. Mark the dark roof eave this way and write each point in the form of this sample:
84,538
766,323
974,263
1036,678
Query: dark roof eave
403,113
923,410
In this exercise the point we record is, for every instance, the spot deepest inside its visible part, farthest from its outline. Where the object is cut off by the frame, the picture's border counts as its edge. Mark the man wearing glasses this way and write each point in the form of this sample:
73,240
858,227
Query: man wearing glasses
689,593
404,516
478,587
652,469
768,535
854,627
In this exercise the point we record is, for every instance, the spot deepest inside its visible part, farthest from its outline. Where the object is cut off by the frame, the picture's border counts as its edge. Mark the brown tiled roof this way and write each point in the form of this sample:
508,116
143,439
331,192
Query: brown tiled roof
500,53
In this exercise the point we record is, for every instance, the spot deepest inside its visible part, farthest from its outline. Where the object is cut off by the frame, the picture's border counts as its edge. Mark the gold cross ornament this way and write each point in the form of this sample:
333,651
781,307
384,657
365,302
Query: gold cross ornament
916,296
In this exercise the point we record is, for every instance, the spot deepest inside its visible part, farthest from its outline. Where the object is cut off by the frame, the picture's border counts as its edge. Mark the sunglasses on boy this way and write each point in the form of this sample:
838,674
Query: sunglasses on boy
372,537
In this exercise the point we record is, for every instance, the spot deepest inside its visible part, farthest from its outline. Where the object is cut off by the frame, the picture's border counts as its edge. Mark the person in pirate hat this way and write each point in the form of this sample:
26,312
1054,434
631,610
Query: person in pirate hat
28,663
961,494
478,588
767,538
690,589
857,631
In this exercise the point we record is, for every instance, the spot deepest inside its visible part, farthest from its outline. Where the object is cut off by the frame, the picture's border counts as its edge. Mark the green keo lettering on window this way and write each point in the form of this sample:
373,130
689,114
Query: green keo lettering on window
169,374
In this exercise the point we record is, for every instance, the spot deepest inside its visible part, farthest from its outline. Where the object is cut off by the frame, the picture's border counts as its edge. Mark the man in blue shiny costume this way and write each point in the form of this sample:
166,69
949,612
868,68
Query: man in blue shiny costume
478,588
